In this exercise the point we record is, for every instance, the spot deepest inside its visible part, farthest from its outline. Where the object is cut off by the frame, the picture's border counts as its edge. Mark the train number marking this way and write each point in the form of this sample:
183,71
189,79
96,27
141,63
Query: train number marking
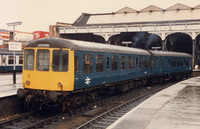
87,81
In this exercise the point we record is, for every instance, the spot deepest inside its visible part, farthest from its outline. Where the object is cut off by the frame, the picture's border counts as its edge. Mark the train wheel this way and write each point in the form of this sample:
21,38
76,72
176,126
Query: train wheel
29,102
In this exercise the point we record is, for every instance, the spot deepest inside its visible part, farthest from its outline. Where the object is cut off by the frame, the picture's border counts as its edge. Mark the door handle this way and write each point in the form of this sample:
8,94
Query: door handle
80,73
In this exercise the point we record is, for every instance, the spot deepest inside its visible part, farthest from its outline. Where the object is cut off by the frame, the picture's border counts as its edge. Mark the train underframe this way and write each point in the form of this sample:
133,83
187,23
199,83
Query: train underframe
40,99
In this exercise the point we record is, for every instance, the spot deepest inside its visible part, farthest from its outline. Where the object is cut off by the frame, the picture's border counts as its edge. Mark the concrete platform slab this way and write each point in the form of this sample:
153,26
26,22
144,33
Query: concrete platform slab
176,107
7,88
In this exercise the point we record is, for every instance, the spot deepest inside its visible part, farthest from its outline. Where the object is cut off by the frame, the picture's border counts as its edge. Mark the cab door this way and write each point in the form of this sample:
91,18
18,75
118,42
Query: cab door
77,72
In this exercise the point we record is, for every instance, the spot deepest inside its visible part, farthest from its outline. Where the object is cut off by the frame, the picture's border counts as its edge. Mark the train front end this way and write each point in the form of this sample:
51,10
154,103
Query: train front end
47,75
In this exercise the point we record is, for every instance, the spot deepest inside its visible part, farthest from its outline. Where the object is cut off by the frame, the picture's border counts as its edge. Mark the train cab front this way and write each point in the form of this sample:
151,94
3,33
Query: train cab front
47,75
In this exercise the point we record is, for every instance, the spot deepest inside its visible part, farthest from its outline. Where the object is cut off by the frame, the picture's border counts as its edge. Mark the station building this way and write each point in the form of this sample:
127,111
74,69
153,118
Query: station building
176,28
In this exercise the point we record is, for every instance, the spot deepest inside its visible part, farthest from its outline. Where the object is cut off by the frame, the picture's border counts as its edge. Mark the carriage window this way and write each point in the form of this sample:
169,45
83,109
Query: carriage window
186,62
178,62
173,62
136,62
181,62
99,63
122,62
60,60
11,60
190,62
145,62
165,62
150,63
29,59
43,60
133,62
160,62
157,63
20,59
169,62
141,62
130,62
87,63
114,63
107,63
76,64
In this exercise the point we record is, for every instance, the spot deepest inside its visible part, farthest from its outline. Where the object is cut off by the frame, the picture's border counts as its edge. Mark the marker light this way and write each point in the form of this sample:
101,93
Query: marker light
59,84
27,82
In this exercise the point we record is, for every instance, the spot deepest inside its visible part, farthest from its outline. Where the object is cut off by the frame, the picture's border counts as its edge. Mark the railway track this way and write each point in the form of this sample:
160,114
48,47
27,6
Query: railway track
44,120
107,118
29,120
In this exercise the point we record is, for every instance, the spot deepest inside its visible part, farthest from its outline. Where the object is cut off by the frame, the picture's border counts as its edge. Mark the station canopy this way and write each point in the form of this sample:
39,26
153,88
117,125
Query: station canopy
150,14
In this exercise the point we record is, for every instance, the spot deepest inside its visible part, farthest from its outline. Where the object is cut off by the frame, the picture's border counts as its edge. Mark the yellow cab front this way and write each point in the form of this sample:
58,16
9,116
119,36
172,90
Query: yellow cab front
48,69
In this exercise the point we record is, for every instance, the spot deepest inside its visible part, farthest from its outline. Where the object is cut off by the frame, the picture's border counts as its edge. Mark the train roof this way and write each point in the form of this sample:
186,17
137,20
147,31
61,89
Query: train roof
170,53
7,52
85,46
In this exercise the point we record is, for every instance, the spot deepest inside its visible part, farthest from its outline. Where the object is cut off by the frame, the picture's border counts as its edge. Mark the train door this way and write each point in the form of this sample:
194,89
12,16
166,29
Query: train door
77,72
87,70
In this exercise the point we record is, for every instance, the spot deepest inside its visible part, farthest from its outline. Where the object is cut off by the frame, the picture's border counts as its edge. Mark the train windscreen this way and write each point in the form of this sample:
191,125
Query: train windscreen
29,59
43,57
60,60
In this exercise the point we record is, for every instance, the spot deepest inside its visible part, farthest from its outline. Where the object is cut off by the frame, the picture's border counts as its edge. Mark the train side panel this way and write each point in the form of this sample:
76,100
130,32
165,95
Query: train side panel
94,69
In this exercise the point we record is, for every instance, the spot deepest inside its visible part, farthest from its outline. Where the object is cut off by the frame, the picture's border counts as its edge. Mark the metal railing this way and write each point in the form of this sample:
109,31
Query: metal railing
181,26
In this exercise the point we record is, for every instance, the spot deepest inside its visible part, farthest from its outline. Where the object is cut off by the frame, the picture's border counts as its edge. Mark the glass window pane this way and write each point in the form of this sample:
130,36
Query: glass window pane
43,60
11,60
99,63
114,63
130,62
76,64
107,63
29,59
87,67
145,62
133,62
136,62
60,60
87,63
20,59
141,62
122,62
157,63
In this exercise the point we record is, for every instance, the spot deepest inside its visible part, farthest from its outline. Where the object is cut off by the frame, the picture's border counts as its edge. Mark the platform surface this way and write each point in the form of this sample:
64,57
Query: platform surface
176,107
7,88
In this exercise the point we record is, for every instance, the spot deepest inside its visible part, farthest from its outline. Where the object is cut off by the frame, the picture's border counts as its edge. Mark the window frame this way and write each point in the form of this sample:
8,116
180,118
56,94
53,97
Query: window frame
27,60
37,63
87,58
65,67
99,62
115,61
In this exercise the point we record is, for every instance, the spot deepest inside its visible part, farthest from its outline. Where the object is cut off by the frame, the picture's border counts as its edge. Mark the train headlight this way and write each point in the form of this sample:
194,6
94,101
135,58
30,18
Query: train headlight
27,82
60,84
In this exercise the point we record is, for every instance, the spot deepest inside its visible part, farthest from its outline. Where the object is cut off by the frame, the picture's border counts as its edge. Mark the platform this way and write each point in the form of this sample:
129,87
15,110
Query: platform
7,88
176,107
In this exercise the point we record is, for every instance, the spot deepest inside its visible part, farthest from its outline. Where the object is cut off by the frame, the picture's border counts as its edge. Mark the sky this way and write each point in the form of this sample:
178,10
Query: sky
37,15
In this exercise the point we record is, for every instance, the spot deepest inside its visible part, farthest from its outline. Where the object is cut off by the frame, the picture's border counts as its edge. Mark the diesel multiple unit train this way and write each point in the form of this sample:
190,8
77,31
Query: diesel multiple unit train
7,60
67,73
